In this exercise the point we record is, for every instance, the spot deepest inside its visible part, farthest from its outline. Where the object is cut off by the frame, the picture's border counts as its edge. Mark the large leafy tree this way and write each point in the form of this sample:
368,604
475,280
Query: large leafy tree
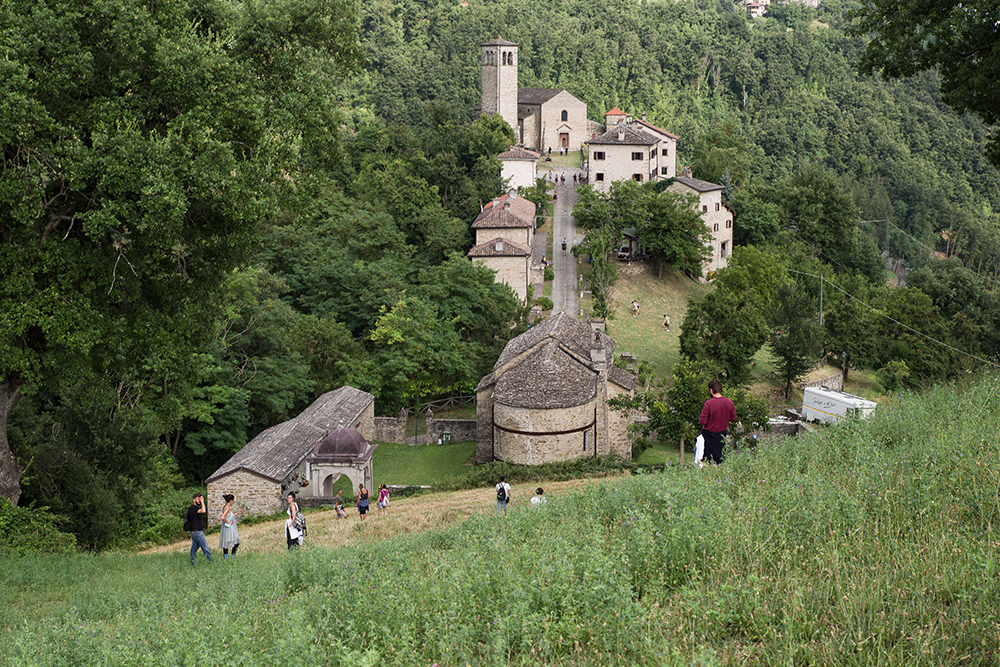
141,144
959,38
795,336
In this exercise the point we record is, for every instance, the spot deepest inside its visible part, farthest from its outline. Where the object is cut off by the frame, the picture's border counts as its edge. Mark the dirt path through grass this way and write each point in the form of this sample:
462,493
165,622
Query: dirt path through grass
407,515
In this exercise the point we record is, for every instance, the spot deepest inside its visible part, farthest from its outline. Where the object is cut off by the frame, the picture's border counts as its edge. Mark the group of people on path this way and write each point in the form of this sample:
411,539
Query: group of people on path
295,524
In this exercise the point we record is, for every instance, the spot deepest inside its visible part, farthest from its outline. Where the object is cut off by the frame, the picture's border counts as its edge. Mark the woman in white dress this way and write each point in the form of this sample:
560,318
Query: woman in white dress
229,535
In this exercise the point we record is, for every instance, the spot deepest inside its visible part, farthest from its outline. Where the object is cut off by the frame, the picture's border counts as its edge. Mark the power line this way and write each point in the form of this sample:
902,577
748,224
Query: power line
908,328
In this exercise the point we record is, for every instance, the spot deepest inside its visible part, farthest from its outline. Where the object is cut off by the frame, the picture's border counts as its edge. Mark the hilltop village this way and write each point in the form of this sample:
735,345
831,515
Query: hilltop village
547,120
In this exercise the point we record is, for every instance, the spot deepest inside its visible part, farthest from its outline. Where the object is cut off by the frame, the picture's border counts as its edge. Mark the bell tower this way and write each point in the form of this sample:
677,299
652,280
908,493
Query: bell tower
499,80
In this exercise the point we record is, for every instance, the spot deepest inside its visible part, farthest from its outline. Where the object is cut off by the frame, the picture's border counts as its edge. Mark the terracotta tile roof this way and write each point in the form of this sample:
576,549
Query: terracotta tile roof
506,212
696,184
500,247
518,153
632,136
280,449
548,378
616,112
536,95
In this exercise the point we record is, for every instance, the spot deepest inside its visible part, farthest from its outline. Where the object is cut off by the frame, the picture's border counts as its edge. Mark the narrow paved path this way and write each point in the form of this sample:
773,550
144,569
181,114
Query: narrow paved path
565,289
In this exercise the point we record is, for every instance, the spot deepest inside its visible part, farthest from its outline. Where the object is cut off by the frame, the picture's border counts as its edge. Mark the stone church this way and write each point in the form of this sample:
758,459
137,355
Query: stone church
542,118
547,397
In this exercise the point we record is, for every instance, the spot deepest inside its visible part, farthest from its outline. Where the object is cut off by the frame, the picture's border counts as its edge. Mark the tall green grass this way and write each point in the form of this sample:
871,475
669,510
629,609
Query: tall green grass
871,543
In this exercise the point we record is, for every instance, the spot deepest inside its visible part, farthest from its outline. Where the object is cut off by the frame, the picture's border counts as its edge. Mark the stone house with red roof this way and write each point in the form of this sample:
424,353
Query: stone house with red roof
505,232
630,150
717,215
519,167
546,398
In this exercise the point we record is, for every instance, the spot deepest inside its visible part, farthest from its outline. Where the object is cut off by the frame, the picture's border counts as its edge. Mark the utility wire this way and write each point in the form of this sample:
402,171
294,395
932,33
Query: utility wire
879,312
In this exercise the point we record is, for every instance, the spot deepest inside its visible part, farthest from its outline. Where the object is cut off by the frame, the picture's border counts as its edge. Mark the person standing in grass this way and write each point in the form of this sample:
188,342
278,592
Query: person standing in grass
716,415
293,535
503,495
383,500
195,524
538,499
229,536
362,502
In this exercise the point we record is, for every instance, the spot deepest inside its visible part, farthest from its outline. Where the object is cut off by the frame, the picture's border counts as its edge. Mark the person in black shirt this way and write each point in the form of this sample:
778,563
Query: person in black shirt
195,523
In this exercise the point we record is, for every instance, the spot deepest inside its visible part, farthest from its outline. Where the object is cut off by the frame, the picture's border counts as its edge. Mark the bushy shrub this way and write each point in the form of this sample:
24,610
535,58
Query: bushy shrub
31,530
550,274
545,302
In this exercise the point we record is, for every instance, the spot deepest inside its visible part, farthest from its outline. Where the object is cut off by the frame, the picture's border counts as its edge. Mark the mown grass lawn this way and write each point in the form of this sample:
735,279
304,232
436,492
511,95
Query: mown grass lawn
422,465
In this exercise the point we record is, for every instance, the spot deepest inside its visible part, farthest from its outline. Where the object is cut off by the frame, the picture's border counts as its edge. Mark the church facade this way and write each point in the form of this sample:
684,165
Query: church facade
544,119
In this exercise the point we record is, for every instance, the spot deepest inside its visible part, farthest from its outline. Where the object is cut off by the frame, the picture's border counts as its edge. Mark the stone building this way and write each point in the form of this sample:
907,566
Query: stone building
505,231
343,452
630,150
542,118
717,215
519,167
546,398
274,462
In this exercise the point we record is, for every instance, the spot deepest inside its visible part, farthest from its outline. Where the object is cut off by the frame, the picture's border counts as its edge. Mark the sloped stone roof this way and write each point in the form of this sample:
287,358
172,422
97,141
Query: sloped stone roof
343,445
518,153
548,378
622,378
499,41
536,95
500,247
277,451
506,212
573,334
652,127
631,136
696,184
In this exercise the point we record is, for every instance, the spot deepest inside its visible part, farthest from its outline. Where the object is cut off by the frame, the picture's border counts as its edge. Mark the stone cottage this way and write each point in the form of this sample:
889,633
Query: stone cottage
546,398
274,462
717,216
630,150
542,118
505,232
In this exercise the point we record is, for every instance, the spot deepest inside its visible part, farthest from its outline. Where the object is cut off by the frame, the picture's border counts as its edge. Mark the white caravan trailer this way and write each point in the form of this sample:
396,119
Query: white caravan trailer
820,404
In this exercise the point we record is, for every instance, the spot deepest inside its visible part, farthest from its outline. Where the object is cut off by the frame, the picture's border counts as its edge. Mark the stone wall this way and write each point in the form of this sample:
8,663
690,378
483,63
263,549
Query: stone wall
835,381
535,449
257,494
390,429
618,421
462,430
484,425
515,271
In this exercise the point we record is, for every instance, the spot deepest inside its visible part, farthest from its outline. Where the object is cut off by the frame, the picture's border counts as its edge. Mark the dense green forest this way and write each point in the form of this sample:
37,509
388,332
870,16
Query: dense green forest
254,203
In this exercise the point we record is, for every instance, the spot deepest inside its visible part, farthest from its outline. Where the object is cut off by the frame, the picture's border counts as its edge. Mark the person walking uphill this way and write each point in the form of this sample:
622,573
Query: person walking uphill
716,415
503,495
194,523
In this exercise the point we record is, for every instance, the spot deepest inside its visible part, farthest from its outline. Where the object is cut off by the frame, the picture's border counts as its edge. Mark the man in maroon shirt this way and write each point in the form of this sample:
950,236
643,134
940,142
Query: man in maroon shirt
716,415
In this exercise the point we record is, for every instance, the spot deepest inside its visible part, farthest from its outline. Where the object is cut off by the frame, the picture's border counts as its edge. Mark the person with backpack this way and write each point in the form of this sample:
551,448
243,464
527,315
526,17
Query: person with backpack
503,495
362,502
383,500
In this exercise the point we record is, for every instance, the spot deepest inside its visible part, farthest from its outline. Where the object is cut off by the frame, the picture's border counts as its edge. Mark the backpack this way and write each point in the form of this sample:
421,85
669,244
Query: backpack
501,493
299,522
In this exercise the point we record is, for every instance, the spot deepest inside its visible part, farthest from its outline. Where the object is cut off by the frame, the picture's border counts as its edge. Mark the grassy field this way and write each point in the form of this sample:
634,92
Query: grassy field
644,336
870,543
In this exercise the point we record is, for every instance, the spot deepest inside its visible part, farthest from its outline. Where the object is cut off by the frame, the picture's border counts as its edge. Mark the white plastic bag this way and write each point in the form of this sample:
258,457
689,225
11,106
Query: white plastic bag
699,450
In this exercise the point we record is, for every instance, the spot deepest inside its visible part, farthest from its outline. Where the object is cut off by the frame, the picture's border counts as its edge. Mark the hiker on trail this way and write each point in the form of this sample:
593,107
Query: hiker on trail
229,536
564,246
362,502
716,415
666,323
294,526
503,495
383,500
194,523
338,504
635,308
